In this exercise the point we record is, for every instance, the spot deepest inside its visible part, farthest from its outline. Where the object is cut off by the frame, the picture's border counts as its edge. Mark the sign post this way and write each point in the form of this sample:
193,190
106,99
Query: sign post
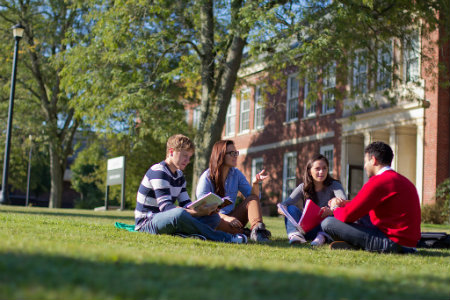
115,174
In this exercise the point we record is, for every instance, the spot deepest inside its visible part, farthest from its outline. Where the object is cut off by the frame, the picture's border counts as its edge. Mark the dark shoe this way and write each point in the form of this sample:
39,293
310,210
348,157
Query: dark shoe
260,234
341,245
246,231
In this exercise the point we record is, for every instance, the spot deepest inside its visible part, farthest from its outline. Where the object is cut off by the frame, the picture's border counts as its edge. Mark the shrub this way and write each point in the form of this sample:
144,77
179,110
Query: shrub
439,211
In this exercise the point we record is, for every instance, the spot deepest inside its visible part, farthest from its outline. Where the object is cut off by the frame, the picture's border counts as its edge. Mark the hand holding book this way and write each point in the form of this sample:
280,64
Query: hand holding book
311,216
210,199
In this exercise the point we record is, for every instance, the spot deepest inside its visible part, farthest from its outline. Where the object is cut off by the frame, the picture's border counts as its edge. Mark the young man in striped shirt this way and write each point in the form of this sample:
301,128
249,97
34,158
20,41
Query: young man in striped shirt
162,186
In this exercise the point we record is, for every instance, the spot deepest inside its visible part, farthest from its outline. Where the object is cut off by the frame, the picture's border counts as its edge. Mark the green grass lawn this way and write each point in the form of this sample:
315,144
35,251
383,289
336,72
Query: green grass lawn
79,254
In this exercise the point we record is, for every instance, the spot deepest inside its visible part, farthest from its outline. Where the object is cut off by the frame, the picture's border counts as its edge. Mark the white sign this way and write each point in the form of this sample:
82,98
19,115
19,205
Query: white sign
115,163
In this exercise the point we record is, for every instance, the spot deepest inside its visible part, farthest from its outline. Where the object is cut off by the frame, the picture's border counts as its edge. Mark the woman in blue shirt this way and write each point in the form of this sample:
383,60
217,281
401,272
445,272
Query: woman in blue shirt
225,180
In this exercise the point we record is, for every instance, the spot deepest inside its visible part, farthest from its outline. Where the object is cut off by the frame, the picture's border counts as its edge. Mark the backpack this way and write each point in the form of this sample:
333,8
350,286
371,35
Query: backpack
434,240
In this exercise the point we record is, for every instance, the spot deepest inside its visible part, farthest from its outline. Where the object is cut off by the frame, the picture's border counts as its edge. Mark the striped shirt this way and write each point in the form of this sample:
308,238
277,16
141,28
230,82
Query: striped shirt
159,190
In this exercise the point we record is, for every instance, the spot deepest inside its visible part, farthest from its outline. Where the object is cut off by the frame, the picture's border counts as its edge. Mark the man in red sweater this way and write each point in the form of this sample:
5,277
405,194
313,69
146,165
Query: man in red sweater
385,214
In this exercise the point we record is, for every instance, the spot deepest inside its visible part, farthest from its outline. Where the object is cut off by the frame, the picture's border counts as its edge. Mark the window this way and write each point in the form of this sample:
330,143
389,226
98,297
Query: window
244,118
411,57
257,166
289,173
259,108
186,115
196,117
328,151
292,99
384,72
359,82
309,109
230,126
329,84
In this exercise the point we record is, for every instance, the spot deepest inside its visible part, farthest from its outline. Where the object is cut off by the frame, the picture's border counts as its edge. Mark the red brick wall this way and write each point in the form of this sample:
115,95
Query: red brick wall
437,122
276,130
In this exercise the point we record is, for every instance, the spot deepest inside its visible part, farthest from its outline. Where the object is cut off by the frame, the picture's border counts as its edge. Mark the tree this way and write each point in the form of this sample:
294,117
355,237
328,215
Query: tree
143,48
86,178
89,168
44,103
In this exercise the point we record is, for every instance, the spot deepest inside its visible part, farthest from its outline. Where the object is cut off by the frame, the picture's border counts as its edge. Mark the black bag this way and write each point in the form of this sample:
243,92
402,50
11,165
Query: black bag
434,240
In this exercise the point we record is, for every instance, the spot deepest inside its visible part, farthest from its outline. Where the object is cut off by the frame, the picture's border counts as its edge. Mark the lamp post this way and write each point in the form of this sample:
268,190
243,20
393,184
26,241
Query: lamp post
18,33
27,199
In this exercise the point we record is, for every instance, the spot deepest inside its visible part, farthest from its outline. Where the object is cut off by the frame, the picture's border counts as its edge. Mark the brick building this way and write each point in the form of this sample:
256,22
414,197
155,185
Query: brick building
279,131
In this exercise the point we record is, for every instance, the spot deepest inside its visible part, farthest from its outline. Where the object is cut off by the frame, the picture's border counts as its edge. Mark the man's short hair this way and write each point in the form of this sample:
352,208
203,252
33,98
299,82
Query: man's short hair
179,142
381,151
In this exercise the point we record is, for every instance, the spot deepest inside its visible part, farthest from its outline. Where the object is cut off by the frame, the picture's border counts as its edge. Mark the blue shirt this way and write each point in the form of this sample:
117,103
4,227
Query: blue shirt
235,182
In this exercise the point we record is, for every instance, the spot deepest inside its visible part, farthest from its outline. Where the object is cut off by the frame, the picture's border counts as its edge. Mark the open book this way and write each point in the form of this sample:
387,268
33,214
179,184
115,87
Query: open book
311,216
211,198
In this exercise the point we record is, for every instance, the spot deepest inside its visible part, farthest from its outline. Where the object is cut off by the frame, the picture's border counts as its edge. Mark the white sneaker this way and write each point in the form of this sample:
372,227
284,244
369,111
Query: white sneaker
297,238
239,238
319,240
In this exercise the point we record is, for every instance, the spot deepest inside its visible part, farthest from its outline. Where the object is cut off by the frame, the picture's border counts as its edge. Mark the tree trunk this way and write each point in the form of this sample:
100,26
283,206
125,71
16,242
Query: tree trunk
57,177
214,116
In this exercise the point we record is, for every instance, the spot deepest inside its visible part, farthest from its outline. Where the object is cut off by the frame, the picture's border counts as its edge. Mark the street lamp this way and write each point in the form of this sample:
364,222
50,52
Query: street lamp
27,199
18,33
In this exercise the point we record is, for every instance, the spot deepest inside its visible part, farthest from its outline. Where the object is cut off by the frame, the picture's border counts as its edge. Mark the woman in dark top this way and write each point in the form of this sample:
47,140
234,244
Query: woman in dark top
318,186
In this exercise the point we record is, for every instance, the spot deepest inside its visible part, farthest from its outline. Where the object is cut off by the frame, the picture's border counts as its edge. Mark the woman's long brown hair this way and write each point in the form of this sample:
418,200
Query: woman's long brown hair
308,187
216,164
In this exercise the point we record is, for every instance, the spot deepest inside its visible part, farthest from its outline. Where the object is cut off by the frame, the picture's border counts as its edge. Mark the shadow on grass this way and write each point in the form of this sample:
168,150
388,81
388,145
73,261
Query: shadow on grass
57,277
89,214
283,243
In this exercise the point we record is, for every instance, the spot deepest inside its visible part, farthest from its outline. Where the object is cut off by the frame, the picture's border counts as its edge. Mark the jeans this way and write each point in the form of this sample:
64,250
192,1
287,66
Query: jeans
178,220
362,234
296,213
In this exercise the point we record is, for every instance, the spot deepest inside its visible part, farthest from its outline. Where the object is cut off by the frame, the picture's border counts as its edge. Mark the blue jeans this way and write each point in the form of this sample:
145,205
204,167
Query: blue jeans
296,213
361,234
178,220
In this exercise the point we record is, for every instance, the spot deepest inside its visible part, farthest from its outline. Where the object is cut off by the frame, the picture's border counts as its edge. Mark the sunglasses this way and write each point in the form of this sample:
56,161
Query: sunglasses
233,153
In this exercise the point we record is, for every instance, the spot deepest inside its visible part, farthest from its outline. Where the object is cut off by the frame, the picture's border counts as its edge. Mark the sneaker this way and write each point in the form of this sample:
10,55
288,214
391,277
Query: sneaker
197,237
246,231
260,234
239,238
180,235
341,245
319,240
193,236
297,238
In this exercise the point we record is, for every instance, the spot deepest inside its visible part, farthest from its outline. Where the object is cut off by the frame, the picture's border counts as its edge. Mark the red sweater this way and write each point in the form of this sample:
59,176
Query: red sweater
393,205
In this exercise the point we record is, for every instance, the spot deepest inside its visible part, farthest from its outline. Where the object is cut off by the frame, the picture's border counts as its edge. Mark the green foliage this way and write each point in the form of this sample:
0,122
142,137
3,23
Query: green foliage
41,104
311,35
439,211
89,168
19,159
79,254
118,74
86,178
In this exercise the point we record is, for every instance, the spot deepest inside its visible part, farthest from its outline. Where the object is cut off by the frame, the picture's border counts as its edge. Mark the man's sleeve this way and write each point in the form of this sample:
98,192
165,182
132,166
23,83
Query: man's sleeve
183,198
367,199
161,185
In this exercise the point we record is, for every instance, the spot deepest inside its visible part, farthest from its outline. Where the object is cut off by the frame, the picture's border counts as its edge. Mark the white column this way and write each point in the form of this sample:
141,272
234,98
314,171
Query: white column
394,146
367,141
419,159
344,163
